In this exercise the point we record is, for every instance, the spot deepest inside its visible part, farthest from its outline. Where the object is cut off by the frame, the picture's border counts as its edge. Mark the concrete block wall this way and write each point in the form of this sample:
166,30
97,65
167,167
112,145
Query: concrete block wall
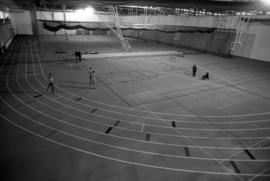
255,41
6,36
217,42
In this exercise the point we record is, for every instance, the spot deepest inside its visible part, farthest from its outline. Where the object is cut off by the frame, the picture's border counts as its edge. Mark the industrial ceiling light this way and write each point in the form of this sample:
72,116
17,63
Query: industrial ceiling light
266,2
89,10
85,12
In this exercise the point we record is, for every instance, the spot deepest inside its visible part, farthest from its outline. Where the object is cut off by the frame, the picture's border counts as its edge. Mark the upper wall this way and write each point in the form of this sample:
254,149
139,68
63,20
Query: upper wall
255,41
21,22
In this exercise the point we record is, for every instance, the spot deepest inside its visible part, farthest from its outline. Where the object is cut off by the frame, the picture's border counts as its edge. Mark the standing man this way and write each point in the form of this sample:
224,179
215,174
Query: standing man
50,83
90,74
194,70
94,79
80,56
76,56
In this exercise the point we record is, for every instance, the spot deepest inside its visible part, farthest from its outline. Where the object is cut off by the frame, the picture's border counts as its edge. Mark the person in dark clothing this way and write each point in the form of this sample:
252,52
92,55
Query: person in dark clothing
76,56
194,70
206,76
80,56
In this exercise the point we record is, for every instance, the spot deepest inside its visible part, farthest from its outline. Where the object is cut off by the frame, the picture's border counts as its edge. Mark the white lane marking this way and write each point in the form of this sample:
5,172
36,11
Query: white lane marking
195,129
125,108
127,162
241,151
260,174
238,152
191,141
78,117
229,105
237,174
144,117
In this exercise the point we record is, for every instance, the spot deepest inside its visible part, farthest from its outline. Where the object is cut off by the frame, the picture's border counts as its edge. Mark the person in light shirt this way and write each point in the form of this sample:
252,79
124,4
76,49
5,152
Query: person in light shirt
50,83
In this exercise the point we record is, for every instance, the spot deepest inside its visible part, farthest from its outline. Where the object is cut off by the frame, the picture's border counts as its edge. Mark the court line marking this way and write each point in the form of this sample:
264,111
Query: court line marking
166,120
123,161
234,154
125,108
191,141
144,117
33,88
258,175
237,130
229,105
79,118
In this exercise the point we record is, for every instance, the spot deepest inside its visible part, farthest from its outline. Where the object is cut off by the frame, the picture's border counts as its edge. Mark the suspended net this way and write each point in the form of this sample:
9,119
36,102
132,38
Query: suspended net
241,24
124,42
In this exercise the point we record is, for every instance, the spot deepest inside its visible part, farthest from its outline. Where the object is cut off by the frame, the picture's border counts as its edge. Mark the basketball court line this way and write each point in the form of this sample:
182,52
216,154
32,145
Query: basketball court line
29,82
191,141
171,114
202,115
123,161
123,113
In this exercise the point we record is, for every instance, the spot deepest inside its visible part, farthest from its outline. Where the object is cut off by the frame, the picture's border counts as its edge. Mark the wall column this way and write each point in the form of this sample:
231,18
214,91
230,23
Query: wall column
34,22
65,19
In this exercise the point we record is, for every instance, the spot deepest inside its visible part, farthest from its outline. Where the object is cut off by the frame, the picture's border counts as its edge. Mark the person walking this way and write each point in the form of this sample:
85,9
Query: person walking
50,83
76,56
194,70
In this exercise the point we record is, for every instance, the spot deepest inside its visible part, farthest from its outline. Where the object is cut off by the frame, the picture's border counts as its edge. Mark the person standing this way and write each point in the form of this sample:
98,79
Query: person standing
90,74
194,70
76,56
80,56
94,79
50,83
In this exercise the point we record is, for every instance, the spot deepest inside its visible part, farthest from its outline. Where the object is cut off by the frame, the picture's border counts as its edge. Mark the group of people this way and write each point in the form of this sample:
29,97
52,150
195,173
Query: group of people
78,56
91,73
194,71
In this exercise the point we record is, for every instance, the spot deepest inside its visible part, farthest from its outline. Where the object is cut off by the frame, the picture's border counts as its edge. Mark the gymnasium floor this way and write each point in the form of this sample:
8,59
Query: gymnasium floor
148,118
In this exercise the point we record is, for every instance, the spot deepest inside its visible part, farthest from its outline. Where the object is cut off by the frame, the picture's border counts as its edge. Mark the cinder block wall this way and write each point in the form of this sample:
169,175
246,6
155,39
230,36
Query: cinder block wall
218,42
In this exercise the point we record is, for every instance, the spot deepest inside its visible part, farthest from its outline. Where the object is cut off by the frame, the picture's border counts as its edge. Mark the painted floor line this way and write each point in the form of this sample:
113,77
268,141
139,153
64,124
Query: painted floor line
127,162
78,99
36,96
147,137
94,110
187,151
244,115
249,154
108,130
116,123
235,167
50,134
